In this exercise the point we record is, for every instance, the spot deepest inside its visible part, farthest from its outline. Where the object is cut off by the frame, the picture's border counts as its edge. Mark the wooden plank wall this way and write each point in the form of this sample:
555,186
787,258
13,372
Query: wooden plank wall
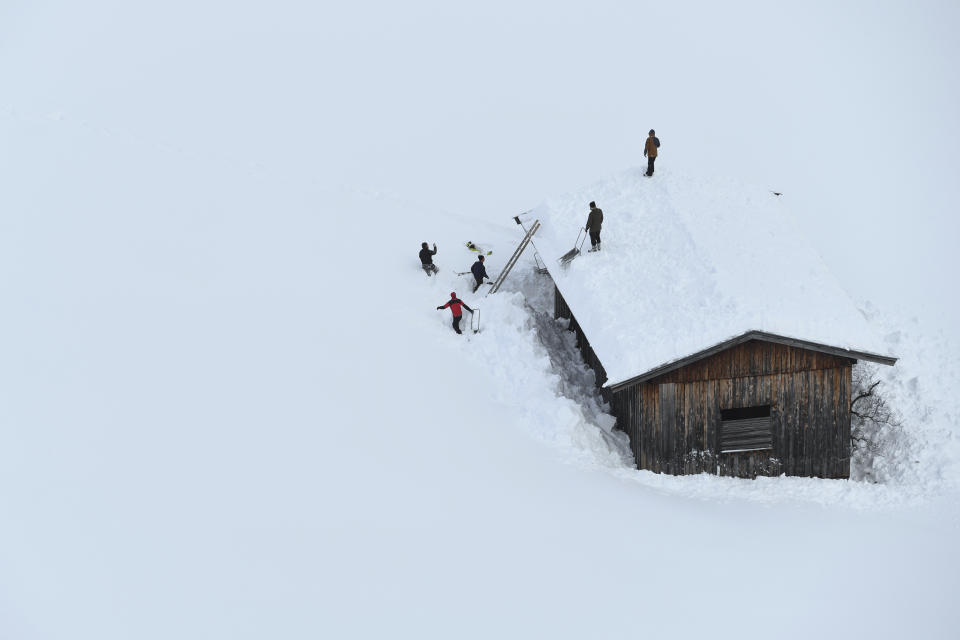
754,358
673,421
561,310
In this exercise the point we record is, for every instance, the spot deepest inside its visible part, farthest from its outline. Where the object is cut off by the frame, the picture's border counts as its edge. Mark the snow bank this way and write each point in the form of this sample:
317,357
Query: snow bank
233,408
920,468
688,263
230,409
921,390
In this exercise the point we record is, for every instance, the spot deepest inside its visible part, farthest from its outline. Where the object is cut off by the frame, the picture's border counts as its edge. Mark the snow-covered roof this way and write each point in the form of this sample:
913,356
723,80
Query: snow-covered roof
690,263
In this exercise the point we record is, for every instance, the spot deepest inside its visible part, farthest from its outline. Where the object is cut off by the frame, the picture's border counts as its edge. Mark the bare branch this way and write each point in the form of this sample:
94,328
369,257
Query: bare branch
874,428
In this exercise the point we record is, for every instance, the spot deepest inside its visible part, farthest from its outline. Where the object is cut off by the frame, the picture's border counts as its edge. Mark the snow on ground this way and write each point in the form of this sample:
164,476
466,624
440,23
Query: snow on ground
918,467
922,466
523,347
230,409
921,391
687,263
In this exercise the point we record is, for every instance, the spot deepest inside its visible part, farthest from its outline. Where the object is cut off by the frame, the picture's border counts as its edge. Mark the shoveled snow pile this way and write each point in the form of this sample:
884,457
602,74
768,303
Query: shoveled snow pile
687,263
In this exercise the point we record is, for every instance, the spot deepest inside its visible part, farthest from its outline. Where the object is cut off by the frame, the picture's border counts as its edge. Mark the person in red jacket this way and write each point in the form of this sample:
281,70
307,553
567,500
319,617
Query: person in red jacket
455,303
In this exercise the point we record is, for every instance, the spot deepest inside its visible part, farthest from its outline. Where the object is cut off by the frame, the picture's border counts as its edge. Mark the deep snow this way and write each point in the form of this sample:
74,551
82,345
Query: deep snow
219,422
689,262
229,408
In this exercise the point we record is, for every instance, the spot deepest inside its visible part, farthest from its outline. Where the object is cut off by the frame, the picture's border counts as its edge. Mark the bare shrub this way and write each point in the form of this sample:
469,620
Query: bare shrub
876,430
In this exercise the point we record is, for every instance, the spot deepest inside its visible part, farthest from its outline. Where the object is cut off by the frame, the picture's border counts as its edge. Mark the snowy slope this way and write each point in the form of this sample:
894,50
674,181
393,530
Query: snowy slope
219,422
688,263
230,409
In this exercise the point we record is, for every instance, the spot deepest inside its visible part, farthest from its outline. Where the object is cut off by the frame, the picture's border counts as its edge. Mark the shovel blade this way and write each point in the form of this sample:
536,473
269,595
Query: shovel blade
569,255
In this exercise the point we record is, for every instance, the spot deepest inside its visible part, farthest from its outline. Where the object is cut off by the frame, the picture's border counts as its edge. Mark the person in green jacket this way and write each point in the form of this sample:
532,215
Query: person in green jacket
594,222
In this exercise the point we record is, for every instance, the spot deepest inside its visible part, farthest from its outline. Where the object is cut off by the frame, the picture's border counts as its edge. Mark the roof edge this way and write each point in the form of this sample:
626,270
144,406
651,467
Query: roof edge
752,335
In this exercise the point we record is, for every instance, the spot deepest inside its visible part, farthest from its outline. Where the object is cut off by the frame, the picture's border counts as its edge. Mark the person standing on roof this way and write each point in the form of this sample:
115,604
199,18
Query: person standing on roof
426,259
455,303
650,151
479,272
594,222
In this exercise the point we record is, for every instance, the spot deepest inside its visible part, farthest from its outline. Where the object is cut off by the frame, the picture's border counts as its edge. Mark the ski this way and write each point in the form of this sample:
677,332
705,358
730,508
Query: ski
477,249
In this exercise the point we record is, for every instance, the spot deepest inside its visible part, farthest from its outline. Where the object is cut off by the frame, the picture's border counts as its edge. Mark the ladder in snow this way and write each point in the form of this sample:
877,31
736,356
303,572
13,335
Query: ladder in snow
516,256
540,267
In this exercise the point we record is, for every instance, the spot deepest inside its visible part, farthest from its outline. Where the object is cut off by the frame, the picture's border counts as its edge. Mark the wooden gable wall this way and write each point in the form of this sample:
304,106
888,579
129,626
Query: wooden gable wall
673,420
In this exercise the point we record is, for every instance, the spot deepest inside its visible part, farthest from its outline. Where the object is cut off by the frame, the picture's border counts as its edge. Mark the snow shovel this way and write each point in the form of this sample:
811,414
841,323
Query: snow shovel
573,253
475,320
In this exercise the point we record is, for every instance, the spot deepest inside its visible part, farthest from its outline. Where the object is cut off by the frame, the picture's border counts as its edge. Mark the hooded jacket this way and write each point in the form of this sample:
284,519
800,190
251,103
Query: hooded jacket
595,220
426,256
455,303
479,271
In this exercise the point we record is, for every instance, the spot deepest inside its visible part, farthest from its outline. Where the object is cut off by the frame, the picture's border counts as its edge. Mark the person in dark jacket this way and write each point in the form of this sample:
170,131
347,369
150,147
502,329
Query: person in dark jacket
594,222
455,303
426,259
650,151
479,273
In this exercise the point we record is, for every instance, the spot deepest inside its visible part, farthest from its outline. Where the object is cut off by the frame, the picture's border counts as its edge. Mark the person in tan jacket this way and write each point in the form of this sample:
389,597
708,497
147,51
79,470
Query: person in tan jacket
650,151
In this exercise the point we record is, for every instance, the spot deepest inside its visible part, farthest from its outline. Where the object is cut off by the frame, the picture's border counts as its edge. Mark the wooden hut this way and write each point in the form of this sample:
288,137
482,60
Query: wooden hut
758,404
719,338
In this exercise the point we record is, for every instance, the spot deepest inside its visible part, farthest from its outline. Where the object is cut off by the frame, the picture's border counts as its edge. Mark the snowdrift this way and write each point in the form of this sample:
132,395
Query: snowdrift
230,405
688,263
